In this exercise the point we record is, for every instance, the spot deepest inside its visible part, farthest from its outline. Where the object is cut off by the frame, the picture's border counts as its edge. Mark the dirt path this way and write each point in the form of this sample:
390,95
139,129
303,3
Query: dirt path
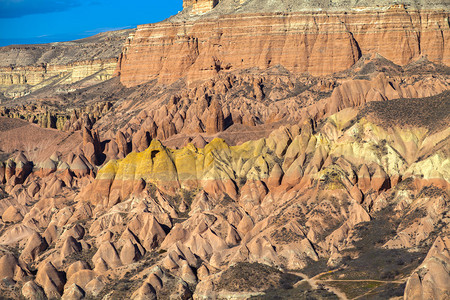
361,280
314,282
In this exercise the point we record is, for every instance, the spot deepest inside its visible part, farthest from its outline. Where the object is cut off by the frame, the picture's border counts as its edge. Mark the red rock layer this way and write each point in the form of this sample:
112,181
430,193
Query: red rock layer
318,43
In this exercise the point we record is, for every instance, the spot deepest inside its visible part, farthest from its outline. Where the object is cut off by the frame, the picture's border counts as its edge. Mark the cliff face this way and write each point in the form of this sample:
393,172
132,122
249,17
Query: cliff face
236,7
319,43
33,75
200,6
25,68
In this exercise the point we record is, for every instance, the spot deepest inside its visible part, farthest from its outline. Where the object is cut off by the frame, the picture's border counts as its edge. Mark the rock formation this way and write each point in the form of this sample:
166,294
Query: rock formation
200,6
431,279
189,219
25,68
247,149
318,43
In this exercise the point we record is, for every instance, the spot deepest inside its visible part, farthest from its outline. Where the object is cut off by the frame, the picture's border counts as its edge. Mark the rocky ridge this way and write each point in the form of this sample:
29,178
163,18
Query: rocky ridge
28,68
317,42
214,8
229,182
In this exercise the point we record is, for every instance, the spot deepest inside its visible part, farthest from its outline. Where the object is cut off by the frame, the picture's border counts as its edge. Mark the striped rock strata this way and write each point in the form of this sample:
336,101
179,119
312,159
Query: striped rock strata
299,155
317,42
26,68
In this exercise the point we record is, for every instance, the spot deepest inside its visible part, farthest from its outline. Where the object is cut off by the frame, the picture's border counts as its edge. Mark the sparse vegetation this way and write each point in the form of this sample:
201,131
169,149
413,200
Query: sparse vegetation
406,184
433,114
380,149
151,188
374,262
284,235
303,291
254,277
355,289
85,255
226,200
331,181
432,191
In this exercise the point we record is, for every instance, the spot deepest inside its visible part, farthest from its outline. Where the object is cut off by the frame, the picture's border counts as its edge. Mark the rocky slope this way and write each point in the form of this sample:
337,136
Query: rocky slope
27,68
184,220
209,169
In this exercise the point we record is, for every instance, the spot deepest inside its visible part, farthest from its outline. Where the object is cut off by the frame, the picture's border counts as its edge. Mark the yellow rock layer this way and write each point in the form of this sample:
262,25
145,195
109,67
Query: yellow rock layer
390,153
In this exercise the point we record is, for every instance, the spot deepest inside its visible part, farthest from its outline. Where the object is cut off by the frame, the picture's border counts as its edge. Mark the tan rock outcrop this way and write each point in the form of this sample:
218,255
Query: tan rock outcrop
91,145
80,278
130,253
69,247
73,292
121,144
431,279
145,292
10,268
31,68
108,254
34,246
200,6
94,287
12,214
32,291
215,120
51,280
75,267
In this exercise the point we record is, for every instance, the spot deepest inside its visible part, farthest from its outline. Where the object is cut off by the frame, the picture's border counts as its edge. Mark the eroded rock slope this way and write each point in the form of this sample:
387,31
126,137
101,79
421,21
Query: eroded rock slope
244,149
163,220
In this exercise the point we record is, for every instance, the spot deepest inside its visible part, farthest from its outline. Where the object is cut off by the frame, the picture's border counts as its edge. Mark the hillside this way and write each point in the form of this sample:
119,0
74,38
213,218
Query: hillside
237,150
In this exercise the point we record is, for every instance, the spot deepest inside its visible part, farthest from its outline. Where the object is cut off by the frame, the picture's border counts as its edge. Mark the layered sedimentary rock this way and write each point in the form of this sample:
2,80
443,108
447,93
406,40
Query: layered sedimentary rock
227,7
219,166
200,6
25,68
230,187
65,120
316,42
70,73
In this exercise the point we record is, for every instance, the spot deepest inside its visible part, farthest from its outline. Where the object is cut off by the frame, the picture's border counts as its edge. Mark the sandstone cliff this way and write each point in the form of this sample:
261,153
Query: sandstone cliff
199,6
26,68
316,42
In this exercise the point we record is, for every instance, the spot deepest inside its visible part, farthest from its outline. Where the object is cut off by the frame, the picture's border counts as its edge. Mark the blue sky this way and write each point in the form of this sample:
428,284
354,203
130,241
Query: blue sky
45,21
